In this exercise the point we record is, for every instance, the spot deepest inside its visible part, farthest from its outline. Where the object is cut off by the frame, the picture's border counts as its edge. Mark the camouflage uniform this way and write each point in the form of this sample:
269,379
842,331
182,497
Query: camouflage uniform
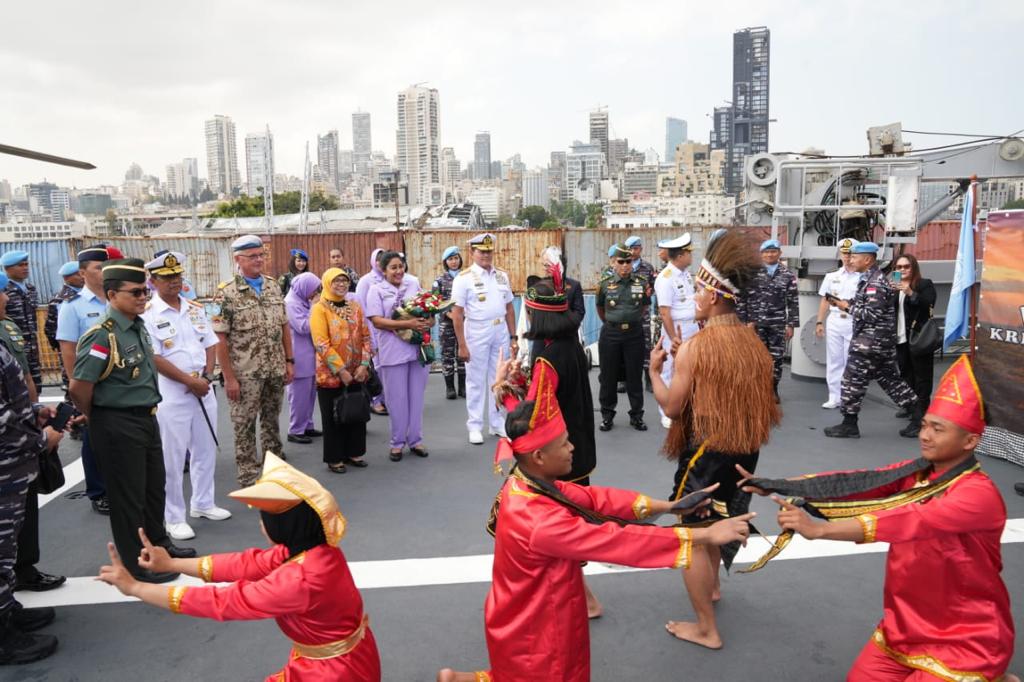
252,324
873,346
645,270
772,304
21,441
449,343
66,293
21,310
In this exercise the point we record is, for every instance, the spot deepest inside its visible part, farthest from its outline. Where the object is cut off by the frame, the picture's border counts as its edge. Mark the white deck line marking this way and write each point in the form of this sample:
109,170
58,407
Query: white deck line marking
475,568
73,475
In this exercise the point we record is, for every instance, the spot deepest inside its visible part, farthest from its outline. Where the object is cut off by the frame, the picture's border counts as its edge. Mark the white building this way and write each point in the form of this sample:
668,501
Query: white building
25,231
259,163
659,211
489,199
183,178
327,158
222,155
535,188
362,143
584,168
418,142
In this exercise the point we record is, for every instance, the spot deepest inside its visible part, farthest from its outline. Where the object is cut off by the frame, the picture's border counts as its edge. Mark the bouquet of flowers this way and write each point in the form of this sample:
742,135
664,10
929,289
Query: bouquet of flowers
423,305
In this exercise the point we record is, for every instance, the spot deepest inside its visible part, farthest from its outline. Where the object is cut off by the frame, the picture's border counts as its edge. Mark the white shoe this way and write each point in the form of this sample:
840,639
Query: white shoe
476,438
666,422
213,513
180,531
830,404
496,432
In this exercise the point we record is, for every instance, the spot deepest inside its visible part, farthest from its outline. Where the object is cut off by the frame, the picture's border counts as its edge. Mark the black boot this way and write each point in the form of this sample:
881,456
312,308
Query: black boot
848,429
17,646
462,384
449,387
914,426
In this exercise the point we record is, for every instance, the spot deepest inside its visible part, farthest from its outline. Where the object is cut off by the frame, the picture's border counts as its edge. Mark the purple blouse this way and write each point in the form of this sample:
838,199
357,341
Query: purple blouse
382,299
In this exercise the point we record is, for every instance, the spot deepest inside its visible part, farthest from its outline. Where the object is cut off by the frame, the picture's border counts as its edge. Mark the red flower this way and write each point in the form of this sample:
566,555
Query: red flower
426,337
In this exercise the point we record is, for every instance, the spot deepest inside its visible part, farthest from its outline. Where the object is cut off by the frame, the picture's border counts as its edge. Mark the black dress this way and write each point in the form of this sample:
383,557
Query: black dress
575,400
917,370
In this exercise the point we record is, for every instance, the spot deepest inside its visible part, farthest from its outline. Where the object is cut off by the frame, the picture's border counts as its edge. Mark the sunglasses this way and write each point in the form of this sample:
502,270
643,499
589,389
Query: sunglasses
141,292
623,261
902,267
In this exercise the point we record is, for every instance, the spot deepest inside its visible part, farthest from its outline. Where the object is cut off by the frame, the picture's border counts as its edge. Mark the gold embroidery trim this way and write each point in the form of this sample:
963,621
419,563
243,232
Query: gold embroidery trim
206,568
174,596
869,523
641,507
929,664
685,547
481,676
341,647
689,466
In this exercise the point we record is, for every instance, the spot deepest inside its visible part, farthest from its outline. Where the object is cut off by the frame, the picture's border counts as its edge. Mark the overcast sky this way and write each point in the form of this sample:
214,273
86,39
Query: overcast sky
115,82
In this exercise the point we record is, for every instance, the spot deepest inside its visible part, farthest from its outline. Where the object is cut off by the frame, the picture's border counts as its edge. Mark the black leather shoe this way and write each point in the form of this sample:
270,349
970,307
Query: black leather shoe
419,451
638,424
181,552
151,577
30,620
299,438
41,582
911,430
903,413
312,433
606,425
843,431
101,505
357,463
1019,488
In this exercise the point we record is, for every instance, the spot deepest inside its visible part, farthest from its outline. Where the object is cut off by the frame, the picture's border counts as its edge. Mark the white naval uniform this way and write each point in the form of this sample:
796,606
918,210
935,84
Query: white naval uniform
483,296
182,337
838,328
674,289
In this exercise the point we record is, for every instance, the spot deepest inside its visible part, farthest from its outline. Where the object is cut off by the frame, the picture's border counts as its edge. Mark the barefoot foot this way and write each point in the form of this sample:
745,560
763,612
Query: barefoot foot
594,608
691,632
716,596
446,675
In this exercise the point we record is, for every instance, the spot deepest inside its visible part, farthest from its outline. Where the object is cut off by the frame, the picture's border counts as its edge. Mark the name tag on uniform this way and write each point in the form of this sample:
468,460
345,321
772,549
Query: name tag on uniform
92,314
131,349
637,289
163,324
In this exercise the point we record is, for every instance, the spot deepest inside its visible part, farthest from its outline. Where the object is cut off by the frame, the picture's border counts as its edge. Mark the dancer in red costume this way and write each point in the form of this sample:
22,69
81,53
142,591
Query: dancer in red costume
947,612
536,612
303,581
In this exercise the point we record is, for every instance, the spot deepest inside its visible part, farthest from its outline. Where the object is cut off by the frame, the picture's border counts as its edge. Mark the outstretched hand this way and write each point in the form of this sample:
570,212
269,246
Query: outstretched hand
153,557
797,520
658,356
742,485
116,574
732,529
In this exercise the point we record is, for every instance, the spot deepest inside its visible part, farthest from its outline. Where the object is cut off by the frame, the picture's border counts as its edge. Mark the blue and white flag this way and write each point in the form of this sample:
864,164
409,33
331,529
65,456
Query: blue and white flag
958,311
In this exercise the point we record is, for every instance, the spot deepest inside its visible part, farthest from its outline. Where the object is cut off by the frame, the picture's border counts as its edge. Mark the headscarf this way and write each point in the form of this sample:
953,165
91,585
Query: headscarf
374,267
299,529
302,287
330,276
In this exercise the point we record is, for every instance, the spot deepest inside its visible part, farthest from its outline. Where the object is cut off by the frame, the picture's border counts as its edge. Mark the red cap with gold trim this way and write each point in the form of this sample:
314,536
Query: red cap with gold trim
958,398
546,423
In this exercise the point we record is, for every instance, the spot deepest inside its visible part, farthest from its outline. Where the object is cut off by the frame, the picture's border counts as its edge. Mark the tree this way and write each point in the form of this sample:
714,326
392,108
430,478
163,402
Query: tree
571,210
550,224
595,215
285,202
504,219
1016,203
532,215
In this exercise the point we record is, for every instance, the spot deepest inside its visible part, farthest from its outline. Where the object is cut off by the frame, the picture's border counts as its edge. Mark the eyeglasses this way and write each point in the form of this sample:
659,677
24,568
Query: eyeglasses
252,256
903,267
623,261
141,292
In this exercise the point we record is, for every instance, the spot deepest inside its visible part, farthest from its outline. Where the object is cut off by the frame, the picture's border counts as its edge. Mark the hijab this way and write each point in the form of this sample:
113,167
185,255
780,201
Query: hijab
299,529
302,287
330,276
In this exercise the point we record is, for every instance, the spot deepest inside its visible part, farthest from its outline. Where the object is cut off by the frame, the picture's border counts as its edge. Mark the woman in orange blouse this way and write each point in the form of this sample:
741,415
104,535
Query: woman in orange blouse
342,343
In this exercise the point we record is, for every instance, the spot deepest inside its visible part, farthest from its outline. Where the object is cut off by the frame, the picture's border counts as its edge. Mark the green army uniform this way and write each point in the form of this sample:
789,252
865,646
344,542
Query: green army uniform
14,341
625,301
253,324
116,356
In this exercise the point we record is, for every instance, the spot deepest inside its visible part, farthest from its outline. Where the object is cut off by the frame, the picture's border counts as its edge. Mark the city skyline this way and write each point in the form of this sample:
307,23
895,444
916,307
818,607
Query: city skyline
140,94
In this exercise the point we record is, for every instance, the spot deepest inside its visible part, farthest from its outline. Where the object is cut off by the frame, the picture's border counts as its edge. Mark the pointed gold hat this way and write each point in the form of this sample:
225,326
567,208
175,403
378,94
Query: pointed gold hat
282,487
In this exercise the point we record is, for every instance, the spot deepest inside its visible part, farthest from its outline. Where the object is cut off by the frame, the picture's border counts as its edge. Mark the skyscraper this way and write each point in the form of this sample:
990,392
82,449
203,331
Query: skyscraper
599,130
750,66
327,158
418,143
535,189
183,179
259,163
222,155
675,135
721,128
482,156
362,145
585,166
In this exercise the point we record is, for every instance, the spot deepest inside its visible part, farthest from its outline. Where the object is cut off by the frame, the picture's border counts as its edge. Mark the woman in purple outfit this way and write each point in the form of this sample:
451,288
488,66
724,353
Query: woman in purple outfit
302,391
398,362
373,276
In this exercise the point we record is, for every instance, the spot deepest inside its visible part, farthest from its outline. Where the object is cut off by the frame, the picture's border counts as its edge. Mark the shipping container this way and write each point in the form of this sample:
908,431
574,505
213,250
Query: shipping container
44,260
357,247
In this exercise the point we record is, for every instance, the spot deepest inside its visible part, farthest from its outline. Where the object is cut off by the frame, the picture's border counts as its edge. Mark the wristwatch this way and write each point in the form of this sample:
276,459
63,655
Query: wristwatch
290,361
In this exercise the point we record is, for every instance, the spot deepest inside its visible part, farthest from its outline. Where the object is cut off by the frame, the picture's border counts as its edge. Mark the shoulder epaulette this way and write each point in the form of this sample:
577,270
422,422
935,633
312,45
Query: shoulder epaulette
193,302
225,283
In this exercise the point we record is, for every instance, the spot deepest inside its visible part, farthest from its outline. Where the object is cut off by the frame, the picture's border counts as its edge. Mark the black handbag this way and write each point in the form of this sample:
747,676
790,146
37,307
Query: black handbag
352,406
374,386
925,340
51,473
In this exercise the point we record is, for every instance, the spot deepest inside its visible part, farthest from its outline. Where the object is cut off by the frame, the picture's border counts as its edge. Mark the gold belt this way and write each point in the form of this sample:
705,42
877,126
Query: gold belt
319,652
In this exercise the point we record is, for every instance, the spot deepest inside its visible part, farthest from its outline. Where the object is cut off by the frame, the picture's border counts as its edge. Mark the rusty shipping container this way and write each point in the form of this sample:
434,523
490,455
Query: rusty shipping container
517,252
357,247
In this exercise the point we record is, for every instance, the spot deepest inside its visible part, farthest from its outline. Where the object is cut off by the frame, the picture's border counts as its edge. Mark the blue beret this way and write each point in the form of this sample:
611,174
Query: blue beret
865,247
449,252
248,241
770,244
13,258
4,279
633,241
300,253
69,268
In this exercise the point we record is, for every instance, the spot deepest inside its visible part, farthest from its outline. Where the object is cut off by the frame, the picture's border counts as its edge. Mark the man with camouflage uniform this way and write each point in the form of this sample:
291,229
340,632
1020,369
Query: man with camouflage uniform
451,261
22,438
21,309
623,299
873,347
73,283
772,305
255,355
644,269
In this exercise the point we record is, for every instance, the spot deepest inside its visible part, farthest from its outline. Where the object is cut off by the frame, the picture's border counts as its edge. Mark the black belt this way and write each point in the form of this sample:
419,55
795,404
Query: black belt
623,326
145,411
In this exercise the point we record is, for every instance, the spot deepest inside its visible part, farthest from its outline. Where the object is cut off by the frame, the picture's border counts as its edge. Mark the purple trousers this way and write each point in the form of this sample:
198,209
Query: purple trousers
405,386
301,401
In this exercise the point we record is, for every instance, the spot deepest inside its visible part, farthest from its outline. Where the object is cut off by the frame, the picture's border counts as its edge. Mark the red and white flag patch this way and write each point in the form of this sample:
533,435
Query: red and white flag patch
870,291
98,351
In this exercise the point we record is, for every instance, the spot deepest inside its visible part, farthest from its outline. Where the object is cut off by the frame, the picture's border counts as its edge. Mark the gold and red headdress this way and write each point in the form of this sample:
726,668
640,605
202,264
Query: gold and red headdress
557,302
959,399
546,422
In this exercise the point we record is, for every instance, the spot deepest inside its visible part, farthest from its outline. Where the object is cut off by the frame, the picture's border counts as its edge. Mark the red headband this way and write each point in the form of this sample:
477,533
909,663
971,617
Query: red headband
546,422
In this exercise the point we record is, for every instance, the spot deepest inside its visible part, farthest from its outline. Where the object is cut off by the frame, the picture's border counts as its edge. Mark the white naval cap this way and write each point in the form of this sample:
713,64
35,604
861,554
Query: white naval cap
247,241
682,242
483,242
167,263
